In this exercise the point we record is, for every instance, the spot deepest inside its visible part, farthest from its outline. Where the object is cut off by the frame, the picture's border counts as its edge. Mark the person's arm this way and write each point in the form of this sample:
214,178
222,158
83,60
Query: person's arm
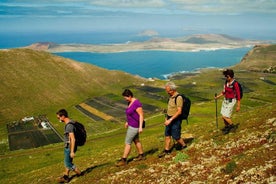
139,110
72,144
219,95
238,106
222,93
179,109
238,96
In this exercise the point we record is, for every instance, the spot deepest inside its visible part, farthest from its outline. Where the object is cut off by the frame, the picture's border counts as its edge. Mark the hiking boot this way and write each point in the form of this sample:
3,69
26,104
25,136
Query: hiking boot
164,153
180,147
183,147
225,128
63,179
122,162
234,128
228,129
140,157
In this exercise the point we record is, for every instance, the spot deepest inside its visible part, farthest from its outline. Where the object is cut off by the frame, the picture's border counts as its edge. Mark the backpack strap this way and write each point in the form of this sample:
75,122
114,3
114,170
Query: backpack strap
72,123
234,83
178,96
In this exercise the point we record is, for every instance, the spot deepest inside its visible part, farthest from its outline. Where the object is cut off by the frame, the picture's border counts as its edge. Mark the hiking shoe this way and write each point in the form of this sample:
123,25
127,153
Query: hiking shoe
183,147
180,147
225,132
164,153
122,162
234,128
140,157
225,128
63,179
228,129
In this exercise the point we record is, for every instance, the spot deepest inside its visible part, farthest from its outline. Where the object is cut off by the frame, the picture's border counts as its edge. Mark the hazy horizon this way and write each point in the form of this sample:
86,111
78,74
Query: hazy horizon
243,18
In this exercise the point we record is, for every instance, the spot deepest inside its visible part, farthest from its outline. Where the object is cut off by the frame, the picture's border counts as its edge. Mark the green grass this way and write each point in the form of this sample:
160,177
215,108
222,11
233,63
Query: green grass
105,139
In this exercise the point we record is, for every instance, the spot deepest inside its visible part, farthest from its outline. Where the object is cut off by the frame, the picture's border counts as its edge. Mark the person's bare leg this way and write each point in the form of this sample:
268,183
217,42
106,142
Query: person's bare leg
228,120
181,142
139,146
167,142
127,150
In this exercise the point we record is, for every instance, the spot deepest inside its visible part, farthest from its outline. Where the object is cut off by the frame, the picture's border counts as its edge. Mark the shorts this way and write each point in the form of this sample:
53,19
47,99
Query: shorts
174,129
132,134
227,107
68,161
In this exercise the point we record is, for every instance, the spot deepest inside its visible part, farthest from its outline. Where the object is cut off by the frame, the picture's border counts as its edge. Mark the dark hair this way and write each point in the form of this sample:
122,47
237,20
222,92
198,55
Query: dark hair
228,72
62,112
127,93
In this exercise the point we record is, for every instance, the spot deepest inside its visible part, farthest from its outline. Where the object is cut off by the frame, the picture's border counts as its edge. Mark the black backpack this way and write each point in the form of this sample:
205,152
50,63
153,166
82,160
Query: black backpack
185,108
240,87
241,90
79,132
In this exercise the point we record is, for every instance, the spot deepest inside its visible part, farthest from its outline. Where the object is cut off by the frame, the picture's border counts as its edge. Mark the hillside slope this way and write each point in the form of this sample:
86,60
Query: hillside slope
32,82
261,58
245,156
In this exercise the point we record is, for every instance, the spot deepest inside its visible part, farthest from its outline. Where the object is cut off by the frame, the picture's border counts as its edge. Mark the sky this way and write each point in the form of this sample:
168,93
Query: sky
248,18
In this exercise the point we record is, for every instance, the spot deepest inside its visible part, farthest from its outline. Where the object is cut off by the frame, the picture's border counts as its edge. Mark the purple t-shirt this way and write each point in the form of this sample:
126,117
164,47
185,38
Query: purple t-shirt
131,114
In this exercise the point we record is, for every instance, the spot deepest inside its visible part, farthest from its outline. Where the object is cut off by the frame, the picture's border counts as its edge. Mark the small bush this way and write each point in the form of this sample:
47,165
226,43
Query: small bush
181,157
230,167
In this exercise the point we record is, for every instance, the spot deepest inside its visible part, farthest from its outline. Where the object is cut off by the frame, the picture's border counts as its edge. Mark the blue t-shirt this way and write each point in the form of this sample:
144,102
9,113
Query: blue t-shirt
131,114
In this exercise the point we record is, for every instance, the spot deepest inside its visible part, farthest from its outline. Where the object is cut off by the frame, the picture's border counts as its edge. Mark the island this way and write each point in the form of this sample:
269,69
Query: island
194,43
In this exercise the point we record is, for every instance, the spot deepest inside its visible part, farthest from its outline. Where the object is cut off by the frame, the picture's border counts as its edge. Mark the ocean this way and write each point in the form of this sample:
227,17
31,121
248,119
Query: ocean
148,64
160,64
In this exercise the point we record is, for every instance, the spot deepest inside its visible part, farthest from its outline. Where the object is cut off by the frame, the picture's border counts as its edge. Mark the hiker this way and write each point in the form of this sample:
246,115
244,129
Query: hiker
232,95
70,146
135,118
173,121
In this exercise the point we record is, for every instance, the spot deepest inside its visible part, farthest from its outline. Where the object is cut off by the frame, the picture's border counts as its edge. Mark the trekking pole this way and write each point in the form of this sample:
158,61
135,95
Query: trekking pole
216,109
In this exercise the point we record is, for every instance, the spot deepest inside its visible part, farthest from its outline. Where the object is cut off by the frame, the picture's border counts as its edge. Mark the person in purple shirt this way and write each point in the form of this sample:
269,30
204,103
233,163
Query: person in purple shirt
134,123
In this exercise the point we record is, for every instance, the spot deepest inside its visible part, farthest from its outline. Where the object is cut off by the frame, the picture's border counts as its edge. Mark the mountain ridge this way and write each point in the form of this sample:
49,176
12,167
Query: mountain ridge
190,43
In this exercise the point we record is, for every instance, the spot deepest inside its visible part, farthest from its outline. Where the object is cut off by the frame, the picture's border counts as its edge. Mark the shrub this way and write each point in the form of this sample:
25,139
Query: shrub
230,167
181,157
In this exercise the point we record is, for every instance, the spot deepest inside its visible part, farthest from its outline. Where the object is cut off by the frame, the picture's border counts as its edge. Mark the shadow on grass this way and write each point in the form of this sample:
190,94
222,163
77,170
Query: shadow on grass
177,146
88,170
149,152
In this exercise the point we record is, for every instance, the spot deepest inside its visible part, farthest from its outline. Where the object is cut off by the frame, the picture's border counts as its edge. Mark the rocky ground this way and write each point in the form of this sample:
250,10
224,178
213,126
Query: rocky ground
245,156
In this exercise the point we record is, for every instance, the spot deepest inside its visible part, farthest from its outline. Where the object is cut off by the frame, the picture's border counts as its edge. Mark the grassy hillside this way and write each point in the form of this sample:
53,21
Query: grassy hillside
33,81
36,83
260,58
247,155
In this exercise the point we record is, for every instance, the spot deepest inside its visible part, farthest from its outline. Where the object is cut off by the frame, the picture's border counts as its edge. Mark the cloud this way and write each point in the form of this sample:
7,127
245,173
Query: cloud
226,6
160,15
95,7
130,3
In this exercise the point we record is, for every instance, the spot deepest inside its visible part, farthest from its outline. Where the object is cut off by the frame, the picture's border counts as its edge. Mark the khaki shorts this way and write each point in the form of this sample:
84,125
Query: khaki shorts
227,107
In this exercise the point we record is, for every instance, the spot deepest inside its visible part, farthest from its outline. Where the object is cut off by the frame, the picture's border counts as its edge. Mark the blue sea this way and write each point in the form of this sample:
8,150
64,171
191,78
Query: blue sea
160,64
148,64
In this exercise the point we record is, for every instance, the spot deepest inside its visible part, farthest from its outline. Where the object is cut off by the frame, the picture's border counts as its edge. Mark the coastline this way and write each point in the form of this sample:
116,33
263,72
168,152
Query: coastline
211,44
143,47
